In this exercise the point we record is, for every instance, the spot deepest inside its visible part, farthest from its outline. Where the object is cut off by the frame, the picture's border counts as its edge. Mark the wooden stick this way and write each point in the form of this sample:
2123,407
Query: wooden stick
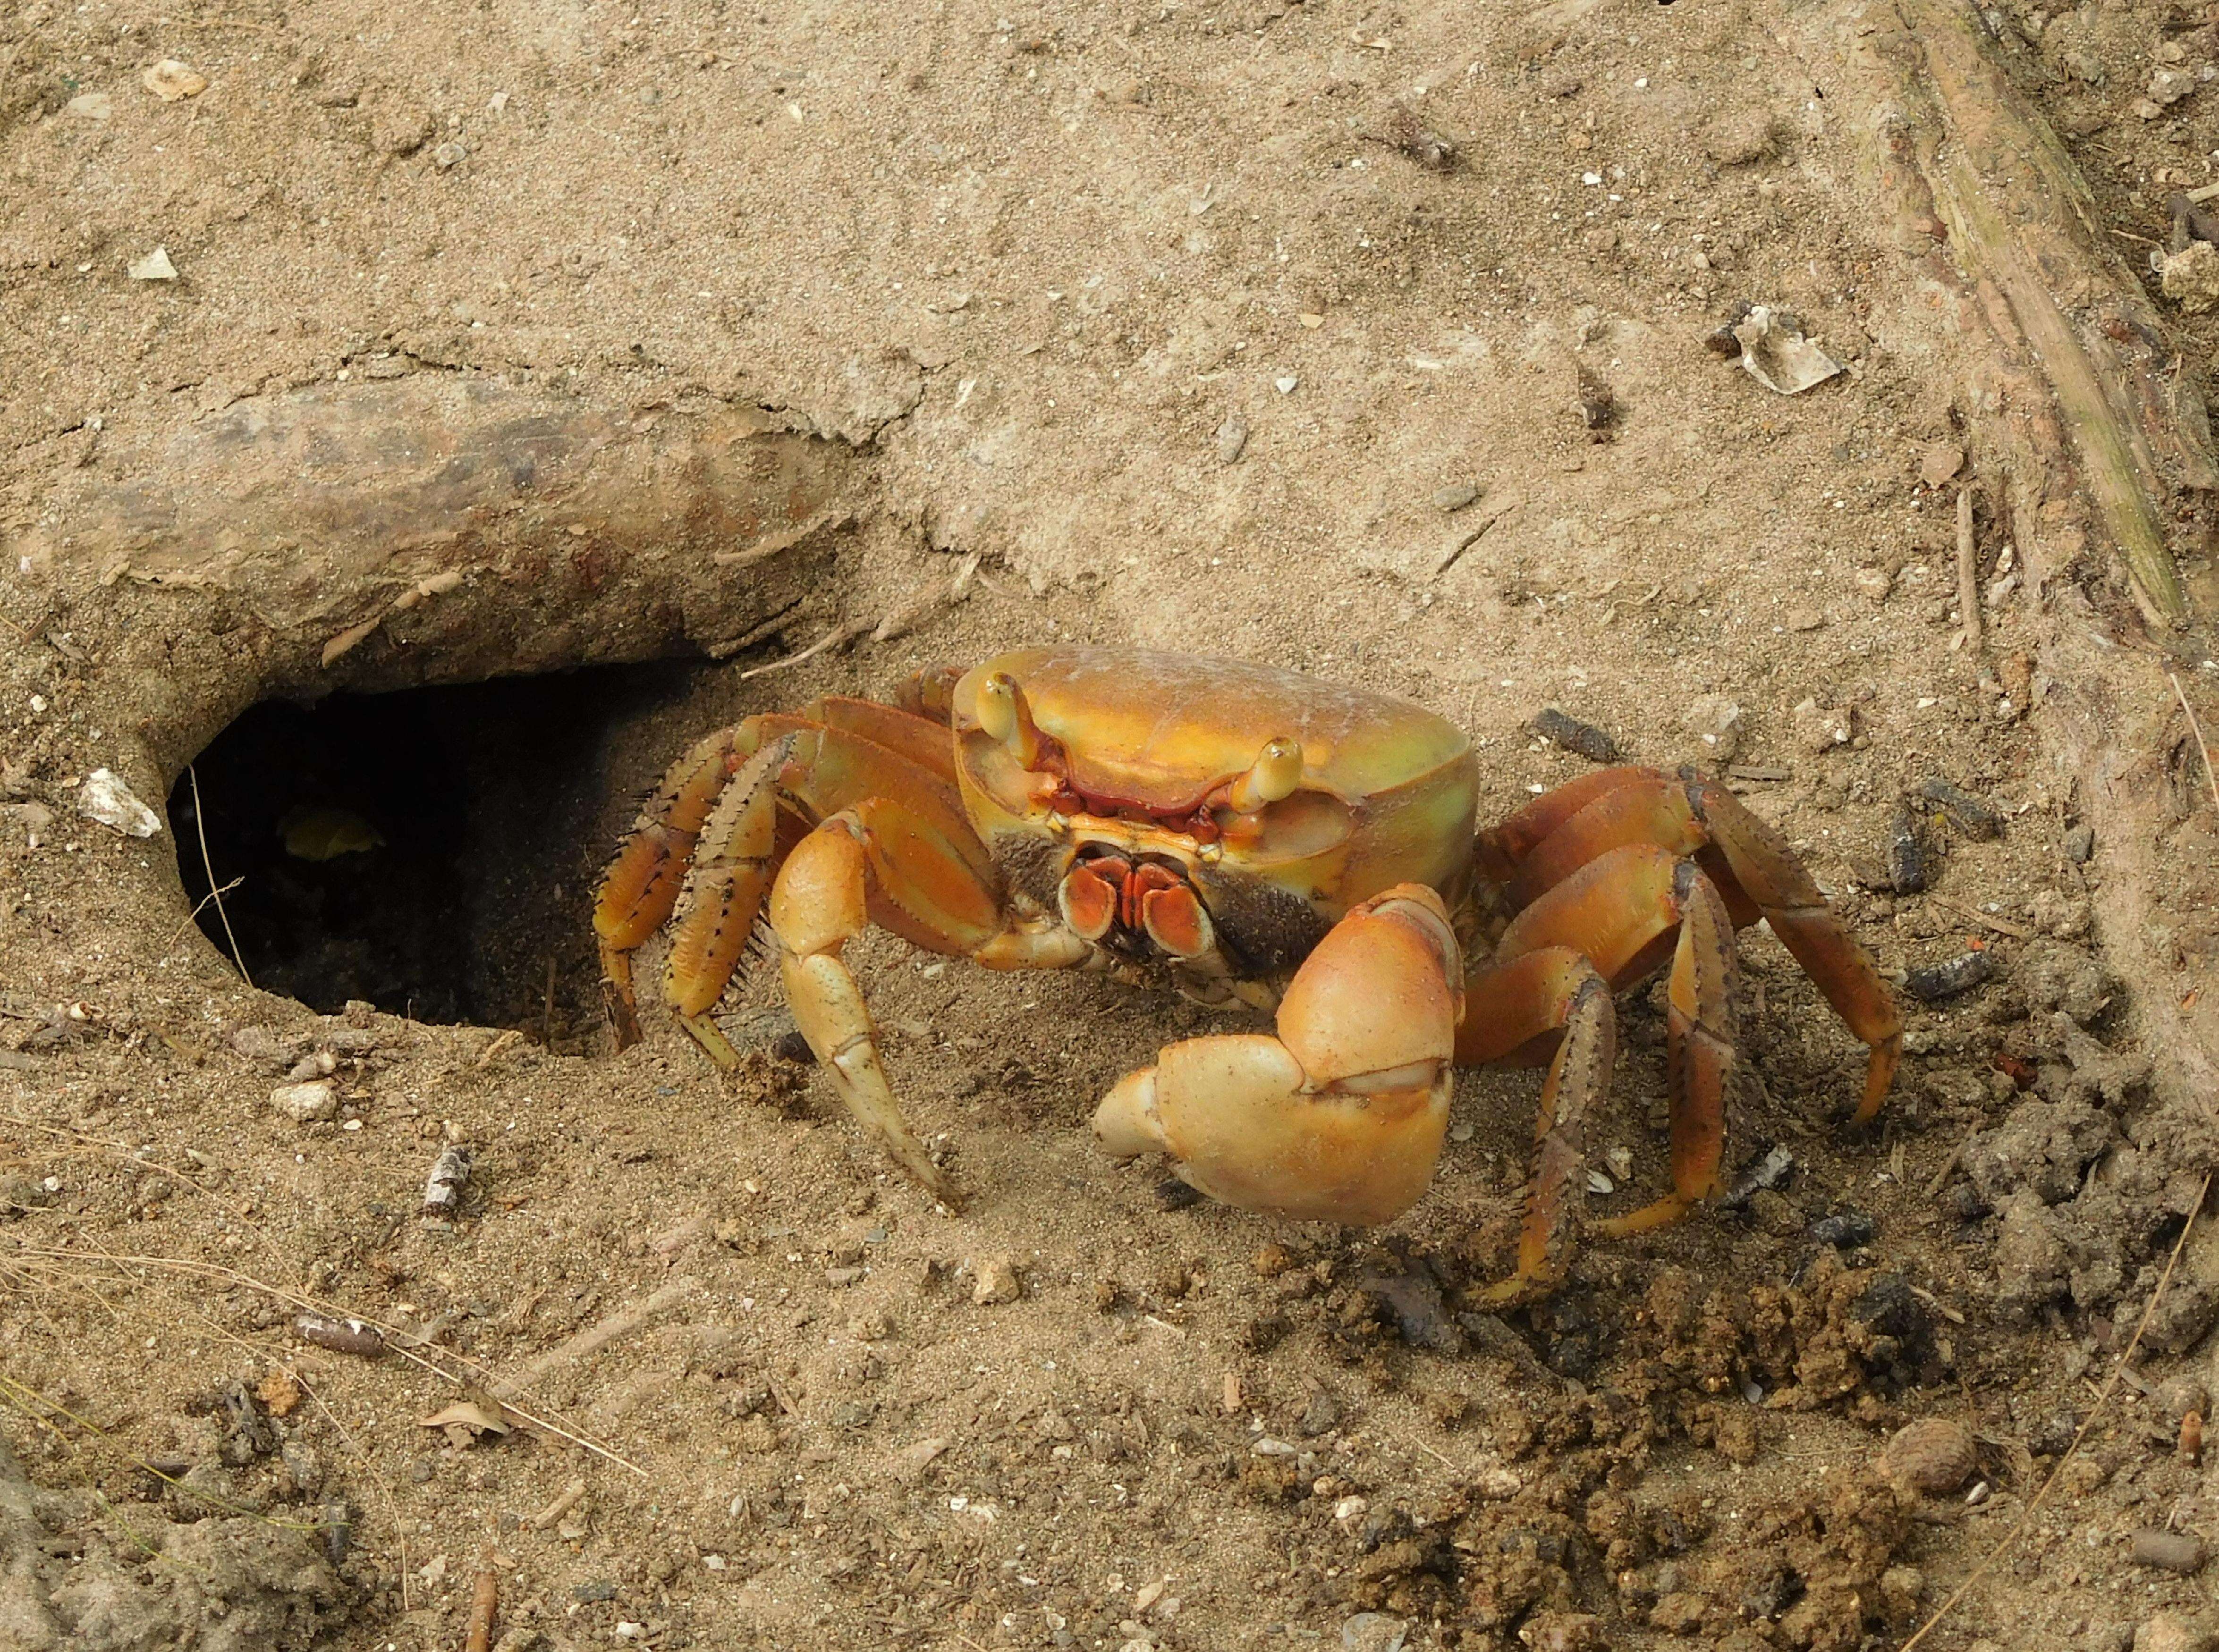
485,1598
570,1497
2128,422
1969,572
593,1338
200,830
2210,775
2095,1411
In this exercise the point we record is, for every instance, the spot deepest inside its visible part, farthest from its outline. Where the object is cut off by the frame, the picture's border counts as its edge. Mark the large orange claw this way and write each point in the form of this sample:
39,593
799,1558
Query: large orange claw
1341,1117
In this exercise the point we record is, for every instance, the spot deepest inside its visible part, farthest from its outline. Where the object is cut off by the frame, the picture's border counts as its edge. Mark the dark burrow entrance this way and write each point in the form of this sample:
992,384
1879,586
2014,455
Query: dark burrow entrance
433,851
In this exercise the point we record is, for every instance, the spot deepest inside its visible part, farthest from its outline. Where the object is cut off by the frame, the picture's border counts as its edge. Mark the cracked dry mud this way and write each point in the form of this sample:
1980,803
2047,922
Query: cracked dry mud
540,336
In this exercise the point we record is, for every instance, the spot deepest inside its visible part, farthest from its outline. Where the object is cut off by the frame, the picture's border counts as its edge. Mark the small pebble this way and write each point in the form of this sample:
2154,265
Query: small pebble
1805,618
2169,1551
1374,1631
1845,1231
2168,1631
1908,871
1574,736
307,1104
839,1278
2179,1395
1285,383
1934,1454
106,798
449,155
1232,440
1941,981
171,80
155,266
1448,500
996,1278
1968,813
91,106
2080,845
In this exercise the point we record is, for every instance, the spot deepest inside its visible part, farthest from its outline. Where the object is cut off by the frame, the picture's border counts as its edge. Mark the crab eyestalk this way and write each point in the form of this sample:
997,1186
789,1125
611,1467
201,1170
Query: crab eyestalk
1276,773
1004,715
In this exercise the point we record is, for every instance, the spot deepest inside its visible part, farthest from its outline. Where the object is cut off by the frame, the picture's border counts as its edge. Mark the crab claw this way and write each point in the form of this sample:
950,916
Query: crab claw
1341,1117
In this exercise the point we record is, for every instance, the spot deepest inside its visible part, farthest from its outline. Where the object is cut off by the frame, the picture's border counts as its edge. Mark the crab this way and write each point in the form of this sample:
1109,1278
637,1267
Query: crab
1252,836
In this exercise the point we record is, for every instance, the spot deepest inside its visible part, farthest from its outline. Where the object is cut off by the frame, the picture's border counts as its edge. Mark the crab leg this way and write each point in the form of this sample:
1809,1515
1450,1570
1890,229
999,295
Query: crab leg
642,882
1751,864
1792,905
1621,912
1516,1008
1339,1118
838,750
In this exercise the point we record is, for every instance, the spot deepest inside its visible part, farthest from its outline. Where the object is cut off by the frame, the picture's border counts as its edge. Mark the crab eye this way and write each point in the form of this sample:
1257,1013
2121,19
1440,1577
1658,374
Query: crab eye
1276,773
1007,719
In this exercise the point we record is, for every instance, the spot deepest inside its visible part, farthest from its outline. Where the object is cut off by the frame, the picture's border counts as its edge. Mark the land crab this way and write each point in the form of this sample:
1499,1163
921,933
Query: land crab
1260,837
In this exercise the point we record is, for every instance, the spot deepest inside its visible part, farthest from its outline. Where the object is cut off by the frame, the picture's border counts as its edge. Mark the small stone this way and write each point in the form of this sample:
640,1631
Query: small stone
1232,440
2143,109
171,80
1679,1613
1285,383
91,106
1451,499
2168,86
1320,1416
2179,1394
106,798
2190,278
1373,1632
840,1278
1934,1454
2169,1551
1873,583
155,266
449,155
1940,981
996,1281
1938,462
1805,619
1817,732
1847,1231
1715,723
1564,1631
2170,1632
2080,845
307,1104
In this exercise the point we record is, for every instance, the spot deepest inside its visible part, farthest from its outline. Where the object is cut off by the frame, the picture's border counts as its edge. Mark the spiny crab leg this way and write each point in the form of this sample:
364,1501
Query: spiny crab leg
1614,915
1756,874
724,892
1341,1117
1552,993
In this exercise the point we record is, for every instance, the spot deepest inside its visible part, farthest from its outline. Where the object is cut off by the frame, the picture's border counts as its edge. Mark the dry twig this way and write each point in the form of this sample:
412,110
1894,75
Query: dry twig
199,830
2210,775
2103,1398
485,1598
1968,571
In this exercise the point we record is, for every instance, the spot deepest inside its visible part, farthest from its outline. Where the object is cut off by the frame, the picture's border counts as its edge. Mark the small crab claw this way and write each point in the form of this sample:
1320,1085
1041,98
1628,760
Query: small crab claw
1341,1117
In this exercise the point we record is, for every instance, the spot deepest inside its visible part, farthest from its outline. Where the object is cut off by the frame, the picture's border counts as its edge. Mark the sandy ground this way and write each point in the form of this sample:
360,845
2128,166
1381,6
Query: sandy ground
1263,330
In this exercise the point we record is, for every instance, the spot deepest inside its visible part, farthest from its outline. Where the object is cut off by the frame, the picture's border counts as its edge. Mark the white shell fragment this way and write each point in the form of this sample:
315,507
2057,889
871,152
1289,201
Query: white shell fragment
155,266
1779,357
105,797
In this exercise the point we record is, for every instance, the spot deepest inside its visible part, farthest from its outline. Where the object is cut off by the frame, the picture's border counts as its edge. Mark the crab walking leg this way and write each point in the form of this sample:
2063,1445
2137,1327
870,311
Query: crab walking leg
643,883
724,892
855,867
1754,870
1341,1117
1792,905
1622,913
1517,1005
1700,1051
